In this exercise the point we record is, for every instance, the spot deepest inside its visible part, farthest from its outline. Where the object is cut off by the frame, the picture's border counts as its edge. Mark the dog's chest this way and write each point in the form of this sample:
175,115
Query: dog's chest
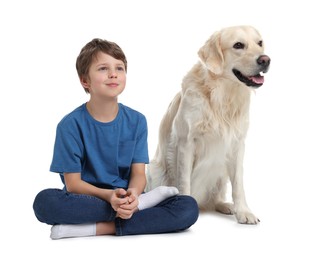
223,122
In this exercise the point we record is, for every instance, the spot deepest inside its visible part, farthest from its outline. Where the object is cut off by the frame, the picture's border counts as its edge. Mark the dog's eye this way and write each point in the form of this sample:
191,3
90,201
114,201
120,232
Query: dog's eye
238,45
260,43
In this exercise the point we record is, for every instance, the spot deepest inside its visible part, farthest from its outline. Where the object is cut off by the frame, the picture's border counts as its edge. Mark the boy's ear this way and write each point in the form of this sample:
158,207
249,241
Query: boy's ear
84,82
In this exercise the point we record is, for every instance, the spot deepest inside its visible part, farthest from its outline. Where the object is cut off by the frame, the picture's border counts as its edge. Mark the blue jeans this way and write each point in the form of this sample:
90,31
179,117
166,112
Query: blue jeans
56,206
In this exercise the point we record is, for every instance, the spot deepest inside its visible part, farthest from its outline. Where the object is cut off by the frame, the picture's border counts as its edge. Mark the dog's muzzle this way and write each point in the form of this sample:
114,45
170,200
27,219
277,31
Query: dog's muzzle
257,80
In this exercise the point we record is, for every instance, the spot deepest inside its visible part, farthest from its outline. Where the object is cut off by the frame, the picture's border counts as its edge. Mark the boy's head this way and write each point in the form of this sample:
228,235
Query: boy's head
89,53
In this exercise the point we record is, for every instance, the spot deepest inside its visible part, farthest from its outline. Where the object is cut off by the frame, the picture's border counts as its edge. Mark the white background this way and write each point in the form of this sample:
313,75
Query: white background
40,41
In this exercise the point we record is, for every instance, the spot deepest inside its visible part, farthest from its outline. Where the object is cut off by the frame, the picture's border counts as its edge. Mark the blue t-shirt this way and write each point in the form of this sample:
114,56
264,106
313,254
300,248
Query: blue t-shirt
102,152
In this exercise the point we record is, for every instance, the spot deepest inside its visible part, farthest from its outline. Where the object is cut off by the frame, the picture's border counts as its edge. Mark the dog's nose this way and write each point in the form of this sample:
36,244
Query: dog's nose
264,62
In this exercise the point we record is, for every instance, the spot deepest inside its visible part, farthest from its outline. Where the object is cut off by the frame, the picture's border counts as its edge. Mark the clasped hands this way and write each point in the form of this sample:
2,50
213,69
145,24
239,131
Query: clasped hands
124,202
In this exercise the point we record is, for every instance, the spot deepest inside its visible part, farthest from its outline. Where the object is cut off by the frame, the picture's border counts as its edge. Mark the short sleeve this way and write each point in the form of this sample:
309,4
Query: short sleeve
141,146
68,151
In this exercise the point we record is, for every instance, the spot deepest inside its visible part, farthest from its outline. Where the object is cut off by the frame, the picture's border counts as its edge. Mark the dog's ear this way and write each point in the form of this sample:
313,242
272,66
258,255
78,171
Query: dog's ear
211,54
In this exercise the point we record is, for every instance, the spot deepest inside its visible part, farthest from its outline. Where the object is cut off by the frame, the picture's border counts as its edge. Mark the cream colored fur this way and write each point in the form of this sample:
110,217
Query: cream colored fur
202,134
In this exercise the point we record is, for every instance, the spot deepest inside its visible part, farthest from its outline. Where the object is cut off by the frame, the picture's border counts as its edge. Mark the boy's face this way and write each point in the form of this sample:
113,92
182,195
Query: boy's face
107,76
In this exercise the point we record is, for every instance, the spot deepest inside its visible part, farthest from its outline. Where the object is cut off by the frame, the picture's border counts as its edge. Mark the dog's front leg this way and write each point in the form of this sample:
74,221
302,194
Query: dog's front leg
242,211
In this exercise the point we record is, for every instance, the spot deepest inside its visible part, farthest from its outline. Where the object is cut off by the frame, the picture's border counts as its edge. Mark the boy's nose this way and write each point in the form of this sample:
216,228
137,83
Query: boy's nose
112,74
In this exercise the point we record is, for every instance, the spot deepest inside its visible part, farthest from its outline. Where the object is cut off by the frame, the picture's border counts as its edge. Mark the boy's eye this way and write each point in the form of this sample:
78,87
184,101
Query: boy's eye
120,68
103,68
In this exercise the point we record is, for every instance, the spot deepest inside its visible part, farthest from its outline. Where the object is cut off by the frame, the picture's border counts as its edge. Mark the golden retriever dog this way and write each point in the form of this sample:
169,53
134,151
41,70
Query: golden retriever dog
202,134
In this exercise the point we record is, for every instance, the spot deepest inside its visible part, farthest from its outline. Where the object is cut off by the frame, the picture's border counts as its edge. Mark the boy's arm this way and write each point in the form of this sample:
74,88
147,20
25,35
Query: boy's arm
136,187
75,184
137,181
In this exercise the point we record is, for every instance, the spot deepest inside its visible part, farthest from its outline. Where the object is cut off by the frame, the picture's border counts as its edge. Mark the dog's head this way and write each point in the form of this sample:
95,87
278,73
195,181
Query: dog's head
236,53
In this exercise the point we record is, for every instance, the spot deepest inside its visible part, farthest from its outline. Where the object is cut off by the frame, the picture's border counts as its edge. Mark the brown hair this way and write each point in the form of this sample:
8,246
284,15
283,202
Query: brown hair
90,51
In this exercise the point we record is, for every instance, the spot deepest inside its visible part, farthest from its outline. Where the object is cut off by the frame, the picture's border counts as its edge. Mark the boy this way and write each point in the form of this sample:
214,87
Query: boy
100,153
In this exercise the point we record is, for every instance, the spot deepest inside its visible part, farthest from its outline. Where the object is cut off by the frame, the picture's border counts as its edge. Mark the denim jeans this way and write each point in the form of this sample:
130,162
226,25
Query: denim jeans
56,206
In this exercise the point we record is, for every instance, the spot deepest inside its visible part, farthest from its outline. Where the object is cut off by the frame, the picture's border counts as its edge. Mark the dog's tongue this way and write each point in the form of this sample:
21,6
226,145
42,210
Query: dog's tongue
258,79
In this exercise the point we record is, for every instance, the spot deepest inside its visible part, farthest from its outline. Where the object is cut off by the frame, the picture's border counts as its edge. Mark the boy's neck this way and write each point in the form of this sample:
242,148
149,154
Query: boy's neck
103,111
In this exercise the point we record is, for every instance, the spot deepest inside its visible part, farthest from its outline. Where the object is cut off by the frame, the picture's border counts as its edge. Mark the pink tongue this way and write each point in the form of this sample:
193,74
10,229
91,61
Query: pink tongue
257,79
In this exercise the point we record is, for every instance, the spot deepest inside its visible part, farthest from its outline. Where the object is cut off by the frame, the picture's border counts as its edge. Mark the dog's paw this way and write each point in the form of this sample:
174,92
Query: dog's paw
224,208
247,218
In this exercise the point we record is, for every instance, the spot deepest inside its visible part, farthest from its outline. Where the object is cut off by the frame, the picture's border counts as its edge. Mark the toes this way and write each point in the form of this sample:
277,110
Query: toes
247,218
225,208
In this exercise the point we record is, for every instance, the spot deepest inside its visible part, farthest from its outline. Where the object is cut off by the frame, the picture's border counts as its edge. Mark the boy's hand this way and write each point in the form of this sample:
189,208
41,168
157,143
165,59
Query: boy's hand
118,198
127,209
